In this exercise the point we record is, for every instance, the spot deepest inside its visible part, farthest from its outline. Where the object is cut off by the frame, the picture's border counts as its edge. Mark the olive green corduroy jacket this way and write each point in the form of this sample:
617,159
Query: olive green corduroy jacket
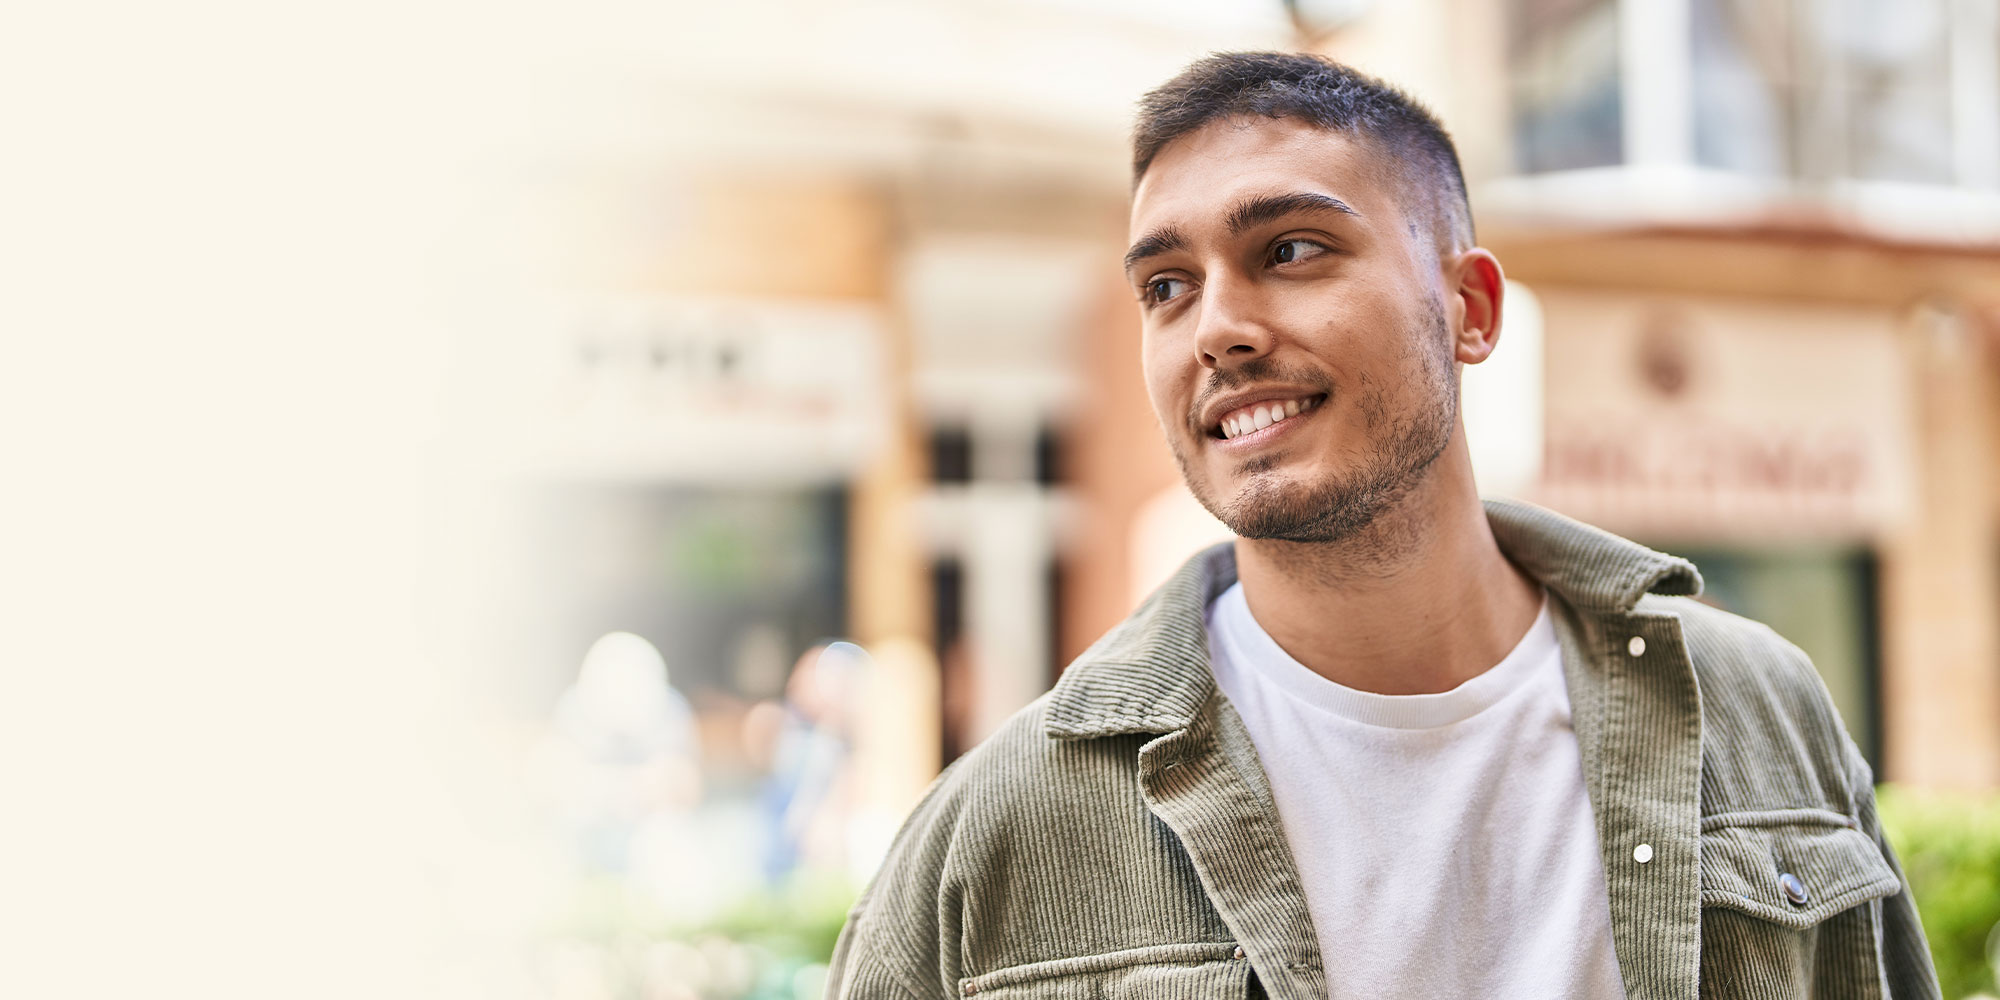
1117,838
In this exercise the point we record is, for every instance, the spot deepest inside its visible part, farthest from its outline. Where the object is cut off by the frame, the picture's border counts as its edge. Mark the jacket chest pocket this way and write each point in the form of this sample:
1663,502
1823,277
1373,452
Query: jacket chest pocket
1159,972
1791,906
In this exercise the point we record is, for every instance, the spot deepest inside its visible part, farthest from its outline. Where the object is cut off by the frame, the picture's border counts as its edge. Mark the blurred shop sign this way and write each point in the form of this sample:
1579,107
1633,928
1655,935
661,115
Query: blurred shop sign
712,390
1719,418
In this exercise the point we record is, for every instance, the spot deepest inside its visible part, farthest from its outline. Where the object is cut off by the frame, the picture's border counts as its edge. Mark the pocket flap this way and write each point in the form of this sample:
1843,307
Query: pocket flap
1745,858
1157,972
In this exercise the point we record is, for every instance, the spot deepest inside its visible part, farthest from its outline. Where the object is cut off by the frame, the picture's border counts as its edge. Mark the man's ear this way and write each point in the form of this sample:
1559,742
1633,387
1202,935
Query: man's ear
1479,287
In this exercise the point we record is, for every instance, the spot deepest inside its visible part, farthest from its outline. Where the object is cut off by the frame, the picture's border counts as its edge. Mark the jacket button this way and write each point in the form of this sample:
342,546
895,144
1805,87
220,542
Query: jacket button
1642,853
1637,647
1239,953
1795,890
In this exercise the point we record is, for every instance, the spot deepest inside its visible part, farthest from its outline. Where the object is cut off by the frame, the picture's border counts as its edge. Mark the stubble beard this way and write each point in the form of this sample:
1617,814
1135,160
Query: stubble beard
1341,508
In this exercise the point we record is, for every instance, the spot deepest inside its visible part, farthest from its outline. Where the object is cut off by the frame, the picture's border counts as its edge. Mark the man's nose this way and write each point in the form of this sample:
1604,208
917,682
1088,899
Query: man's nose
1232,329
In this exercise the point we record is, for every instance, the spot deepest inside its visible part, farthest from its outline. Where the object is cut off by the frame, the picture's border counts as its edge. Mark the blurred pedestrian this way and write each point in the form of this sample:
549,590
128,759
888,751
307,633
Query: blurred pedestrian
809,742
621,750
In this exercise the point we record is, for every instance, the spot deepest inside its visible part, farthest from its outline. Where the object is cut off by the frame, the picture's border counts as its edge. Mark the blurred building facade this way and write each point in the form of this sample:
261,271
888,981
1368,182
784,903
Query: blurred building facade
840,350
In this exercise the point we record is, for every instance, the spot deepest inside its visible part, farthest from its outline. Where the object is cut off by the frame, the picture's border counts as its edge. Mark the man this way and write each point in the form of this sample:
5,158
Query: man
1391,742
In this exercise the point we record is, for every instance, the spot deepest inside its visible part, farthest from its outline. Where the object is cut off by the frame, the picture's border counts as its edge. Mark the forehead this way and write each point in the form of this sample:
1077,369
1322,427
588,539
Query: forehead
1196,178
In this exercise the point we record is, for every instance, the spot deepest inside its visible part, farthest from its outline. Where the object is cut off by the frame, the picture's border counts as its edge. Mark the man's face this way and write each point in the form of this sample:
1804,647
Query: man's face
1297,349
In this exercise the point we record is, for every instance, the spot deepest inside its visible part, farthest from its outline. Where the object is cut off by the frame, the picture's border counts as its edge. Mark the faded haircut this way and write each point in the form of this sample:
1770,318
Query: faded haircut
1407,138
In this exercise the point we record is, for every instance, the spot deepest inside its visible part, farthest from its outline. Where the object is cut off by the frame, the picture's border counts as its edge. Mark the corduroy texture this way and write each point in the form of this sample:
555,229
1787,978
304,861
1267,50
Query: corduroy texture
1117,838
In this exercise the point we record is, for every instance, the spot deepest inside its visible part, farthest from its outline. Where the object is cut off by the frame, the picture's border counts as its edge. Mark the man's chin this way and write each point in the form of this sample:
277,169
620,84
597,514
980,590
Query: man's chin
1270,507
1256,500
1281,508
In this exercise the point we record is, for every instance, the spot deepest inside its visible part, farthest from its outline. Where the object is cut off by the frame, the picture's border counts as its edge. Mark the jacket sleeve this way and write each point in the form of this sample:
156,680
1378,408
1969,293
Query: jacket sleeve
1906,956
893,946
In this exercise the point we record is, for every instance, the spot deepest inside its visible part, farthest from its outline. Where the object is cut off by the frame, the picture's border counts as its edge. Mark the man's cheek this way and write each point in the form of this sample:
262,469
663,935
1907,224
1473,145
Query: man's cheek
1161,399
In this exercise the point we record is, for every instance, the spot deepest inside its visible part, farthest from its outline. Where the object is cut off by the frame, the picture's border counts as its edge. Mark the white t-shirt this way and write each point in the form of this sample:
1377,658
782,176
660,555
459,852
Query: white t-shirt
1445,840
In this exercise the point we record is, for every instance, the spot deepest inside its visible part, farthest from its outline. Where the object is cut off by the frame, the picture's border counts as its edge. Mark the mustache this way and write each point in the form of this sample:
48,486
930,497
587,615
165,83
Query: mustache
1225,380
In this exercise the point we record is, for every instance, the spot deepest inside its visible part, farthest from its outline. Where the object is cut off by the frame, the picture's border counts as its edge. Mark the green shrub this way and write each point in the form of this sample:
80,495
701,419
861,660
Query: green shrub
1949,844
771,943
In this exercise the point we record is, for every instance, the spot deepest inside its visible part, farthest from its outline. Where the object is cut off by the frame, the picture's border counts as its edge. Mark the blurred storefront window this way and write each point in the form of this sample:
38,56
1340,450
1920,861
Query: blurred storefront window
729,584
1823,89
1894,86
1563,56
1815,91
1746,83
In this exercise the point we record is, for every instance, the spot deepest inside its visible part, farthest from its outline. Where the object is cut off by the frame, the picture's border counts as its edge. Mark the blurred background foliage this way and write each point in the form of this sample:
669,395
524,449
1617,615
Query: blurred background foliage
1949,845
769,944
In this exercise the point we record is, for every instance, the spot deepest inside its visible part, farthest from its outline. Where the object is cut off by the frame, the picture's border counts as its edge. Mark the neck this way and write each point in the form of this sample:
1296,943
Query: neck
1419,601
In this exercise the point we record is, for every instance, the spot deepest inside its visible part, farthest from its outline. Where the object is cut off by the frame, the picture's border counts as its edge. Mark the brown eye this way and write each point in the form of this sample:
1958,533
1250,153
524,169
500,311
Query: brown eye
1164,289
1292,251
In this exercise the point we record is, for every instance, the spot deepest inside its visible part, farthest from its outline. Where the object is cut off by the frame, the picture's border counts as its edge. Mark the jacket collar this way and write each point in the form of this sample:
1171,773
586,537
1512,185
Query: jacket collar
1151,673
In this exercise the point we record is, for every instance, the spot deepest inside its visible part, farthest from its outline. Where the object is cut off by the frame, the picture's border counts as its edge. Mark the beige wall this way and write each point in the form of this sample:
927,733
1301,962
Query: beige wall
1941,598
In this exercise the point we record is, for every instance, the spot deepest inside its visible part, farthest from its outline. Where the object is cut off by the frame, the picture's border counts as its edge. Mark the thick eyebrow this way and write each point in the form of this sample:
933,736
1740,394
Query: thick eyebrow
1247,213
1271,207
1155,243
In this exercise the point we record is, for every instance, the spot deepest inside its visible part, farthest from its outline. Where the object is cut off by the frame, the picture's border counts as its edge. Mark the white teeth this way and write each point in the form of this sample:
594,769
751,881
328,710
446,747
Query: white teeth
1261,416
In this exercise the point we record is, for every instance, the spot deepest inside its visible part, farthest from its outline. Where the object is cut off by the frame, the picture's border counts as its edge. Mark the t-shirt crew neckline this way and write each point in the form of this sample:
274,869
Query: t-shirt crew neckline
1249,645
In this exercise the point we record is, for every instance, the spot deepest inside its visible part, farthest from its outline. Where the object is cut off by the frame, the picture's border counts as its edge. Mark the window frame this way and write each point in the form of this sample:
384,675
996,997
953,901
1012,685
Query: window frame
1660,182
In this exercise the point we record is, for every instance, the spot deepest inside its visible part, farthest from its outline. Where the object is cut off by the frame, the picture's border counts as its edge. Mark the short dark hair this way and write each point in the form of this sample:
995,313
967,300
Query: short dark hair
1320,92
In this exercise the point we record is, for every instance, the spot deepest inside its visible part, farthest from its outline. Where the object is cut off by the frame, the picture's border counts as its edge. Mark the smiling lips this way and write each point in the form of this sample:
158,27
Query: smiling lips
1262,414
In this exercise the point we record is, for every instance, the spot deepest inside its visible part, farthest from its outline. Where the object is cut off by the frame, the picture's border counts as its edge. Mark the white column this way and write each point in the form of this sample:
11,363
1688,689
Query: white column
1656,75
1007,553
1975,93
